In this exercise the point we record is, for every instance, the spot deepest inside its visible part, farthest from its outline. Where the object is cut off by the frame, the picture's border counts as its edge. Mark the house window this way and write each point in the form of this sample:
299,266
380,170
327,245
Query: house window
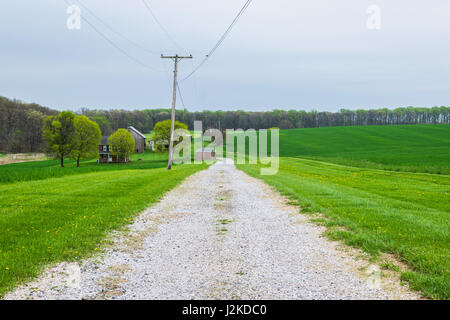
105,148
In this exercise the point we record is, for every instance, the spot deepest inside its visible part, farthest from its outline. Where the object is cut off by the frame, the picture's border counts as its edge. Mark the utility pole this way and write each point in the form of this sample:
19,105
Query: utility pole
175,58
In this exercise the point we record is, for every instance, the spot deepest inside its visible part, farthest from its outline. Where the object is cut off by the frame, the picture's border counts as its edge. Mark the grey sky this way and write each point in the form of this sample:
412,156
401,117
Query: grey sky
282,54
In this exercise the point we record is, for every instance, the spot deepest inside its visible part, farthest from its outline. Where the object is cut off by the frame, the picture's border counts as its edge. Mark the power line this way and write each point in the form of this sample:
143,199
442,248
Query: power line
112,43
171,39
195,83
113,30
222,38
181,96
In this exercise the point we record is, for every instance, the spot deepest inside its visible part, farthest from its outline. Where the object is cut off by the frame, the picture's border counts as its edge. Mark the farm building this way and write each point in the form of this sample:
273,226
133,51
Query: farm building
105,151
205,154
139,140
105,155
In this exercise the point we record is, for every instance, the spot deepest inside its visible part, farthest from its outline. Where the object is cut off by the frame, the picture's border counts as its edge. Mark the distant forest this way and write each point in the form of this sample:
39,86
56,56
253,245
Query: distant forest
21,123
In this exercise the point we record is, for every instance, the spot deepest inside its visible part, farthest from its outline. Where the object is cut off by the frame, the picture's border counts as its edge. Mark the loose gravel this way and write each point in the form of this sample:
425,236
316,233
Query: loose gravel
219,235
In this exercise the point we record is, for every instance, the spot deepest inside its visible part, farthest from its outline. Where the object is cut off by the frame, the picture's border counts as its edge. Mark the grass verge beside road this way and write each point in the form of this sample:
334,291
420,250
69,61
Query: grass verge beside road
64,219
406,214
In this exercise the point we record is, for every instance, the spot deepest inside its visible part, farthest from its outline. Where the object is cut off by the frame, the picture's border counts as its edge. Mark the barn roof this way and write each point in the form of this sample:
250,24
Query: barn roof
137,131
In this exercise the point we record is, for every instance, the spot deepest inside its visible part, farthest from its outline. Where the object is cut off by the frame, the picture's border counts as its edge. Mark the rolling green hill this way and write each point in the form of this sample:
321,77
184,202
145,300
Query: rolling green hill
403,211
414,148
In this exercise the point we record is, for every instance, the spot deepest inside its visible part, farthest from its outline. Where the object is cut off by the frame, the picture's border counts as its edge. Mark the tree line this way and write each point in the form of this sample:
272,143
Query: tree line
21,124
146,119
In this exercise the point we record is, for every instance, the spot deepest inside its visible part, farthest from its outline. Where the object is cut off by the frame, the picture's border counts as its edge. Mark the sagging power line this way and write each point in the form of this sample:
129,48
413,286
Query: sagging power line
146,4
222,38
181,96
112,43
171,39
137,45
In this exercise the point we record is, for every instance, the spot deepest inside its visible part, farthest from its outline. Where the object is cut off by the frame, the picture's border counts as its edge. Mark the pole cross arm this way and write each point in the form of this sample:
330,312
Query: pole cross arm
176,57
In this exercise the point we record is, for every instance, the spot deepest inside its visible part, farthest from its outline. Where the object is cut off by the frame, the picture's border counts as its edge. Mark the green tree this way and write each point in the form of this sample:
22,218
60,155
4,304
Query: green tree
121,143
58,132
16,140
86,140
103,123
162,134
33,136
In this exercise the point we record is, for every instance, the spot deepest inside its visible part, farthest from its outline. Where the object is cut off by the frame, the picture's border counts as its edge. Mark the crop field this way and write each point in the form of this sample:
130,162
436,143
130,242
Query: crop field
50,214
345,175
418,148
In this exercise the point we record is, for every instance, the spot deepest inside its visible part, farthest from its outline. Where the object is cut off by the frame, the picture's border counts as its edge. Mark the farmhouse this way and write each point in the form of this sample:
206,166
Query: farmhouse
105,152
205,154
104,149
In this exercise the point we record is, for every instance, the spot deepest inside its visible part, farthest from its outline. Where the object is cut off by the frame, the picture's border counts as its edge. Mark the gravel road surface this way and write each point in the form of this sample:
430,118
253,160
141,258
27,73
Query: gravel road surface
220,235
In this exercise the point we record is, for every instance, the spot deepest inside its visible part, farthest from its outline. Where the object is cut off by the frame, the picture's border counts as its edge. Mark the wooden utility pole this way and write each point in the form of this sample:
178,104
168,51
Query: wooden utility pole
175,58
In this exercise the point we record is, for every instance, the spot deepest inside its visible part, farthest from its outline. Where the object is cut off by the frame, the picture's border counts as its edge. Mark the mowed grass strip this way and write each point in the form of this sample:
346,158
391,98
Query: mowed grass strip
406,214
64,219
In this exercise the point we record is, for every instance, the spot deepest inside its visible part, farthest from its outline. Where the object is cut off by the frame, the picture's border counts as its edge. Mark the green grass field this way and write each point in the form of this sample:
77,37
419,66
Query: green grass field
403,213
383,189
39,170
54,214
421,148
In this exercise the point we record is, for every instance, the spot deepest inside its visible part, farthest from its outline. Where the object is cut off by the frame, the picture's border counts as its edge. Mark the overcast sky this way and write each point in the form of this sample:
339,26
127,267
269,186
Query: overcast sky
285,54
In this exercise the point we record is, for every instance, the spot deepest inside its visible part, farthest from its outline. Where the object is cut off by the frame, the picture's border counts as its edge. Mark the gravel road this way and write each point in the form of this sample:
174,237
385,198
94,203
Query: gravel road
219,235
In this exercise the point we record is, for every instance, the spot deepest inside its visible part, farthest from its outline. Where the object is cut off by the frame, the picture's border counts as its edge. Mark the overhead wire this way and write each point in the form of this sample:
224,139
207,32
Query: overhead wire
171,39
222,38
195,84
181,96
113,43
112,29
